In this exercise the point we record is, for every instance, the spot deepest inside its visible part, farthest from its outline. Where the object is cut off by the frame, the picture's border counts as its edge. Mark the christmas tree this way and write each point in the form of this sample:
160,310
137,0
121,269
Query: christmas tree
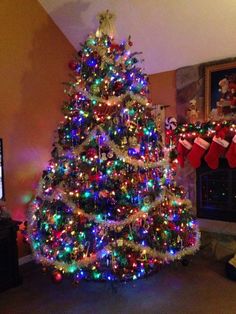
107,206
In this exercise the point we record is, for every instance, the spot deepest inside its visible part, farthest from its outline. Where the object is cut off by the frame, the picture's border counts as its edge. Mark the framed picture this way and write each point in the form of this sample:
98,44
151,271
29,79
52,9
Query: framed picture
1,173
220,91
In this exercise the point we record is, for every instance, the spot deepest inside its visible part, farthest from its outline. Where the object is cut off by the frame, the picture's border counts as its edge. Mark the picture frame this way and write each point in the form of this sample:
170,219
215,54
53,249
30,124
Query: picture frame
2,195
220,91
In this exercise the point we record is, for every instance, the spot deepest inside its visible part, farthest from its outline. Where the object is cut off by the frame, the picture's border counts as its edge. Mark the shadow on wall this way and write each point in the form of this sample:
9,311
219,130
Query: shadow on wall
36,117
80,8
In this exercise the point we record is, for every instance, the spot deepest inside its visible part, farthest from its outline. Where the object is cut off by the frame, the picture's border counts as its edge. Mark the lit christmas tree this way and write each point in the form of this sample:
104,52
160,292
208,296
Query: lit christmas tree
107,206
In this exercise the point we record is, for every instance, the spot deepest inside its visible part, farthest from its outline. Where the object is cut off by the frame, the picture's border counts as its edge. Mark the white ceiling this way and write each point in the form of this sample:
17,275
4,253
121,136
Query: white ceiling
170,33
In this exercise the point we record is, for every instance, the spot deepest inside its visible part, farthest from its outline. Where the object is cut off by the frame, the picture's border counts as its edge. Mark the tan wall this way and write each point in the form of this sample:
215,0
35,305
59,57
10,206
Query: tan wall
34,55
163,90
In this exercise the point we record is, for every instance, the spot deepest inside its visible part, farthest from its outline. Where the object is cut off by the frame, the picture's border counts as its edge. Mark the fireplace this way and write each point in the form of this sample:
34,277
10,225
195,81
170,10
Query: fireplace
216,192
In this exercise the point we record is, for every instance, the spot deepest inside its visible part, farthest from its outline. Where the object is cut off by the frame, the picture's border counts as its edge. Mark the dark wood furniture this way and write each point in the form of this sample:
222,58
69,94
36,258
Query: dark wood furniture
9,269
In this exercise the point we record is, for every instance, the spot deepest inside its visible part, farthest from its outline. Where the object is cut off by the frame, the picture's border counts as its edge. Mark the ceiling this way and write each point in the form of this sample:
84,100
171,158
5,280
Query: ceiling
170,33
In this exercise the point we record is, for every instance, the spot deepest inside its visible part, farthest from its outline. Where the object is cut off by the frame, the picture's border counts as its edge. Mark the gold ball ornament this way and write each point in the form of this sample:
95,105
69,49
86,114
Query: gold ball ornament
95,89
147,200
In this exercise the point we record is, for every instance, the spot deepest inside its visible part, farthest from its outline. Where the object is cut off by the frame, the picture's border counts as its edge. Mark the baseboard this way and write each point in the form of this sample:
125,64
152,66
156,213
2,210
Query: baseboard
25,259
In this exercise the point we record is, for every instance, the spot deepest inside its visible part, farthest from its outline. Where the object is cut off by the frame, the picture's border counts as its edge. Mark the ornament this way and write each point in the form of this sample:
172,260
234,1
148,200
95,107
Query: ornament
101,51
110,154
131,124
147,200
73,65
170,123
133,141
56,276
124,141
130,42
120,242
95,177
95,89
115,120
91,152
104,156
114,47
104,194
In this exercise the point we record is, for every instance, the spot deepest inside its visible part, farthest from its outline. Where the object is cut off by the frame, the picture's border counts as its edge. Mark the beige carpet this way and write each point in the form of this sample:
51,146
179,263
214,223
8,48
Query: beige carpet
200,288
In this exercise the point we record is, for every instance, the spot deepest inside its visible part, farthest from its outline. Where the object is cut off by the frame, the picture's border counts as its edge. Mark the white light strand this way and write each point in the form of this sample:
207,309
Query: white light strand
121,154
114,100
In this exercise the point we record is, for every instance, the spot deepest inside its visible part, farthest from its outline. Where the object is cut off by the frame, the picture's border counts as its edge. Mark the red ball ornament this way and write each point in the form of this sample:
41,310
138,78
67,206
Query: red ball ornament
118,86
91,152
73,65
171,226
114,46
94,177
56,276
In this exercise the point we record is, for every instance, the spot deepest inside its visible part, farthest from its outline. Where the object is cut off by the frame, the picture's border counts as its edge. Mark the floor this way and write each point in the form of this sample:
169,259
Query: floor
201,288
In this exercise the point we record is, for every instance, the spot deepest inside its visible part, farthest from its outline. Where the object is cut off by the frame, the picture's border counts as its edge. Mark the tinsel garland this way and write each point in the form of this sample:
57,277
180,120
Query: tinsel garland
142,213
121,154
86,261
114,100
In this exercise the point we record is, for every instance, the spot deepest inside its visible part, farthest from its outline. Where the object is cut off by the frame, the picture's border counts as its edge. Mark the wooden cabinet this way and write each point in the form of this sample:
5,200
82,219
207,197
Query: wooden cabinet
9,269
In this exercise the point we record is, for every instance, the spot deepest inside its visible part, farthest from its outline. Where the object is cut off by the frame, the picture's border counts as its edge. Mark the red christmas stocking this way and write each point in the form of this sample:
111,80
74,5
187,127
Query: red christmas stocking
199,148
217,149
183,148
231,153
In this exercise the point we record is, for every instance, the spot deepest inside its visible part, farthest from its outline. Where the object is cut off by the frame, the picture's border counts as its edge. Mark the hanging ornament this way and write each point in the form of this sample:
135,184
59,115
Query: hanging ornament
133,141
120,242
104,156
91,152
110,154
147,200
124,140
101,51
170,123
73,65
130,42
56,276
104,194
95,89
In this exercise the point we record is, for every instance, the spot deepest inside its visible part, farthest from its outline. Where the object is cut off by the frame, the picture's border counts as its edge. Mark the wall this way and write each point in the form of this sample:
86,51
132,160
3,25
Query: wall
34,55
163,90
